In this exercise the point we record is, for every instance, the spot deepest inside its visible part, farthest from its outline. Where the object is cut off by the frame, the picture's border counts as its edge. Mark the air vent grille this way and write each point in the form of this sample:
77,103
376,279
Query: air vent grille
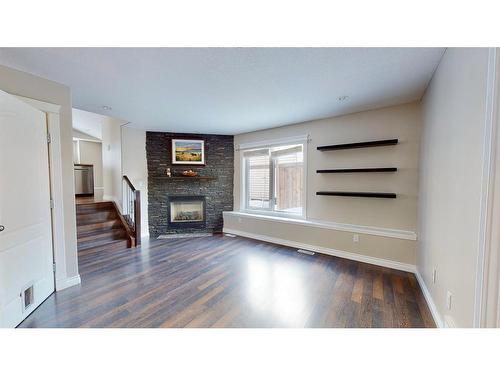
28,297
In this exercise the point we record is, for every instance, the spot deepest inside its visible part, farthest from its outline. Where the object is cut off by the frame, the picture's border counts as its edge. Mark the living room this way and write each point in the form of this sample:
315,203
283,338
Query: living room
250,187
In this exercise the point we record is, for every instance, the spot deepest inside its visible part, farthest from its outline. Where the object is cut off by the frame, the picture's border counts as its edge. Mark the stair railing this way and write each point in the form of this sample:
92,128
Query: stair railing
132,208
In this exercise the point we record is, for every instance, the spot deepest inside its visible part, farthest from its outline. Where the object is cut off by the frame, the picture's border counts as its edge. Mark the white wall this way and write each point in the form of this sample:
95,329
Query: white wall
451,180
135,167
30,86
111,159
402,122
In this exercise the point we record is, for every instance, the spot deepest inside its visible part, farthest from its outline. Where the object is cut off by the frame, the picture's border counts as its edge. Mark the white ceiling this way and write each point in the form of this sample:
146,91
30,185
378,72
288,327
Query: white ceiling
230,90
88,123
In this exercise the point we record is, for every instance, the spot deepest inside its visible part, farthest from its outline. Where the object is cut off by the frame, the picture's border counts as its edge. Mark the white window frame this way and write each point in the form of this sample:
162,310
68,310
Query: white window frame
297,140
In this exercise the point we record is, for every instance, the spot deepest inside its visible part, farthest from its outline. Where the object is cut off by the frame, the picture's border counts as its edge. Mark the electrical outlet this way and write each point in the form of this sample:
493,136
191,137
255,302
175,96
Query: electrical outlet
434,276
355,238
448,299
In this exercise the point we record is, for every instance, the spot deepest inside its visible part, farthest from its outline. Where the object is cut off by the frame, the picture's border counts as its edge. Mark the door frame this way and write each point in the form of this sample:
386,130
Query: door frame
52,112
487,290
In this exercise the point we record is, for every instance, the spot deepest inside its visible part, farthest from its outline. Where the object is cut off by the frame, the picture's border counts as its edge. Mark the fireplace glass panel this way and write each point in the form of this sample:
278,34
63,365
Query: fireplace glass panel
186,211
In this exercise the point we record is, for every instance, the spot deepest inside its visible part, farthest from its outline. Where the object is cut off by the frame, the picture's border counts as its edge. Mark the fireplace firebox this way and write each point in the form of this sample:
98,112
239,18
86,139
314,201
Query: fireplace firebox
186,211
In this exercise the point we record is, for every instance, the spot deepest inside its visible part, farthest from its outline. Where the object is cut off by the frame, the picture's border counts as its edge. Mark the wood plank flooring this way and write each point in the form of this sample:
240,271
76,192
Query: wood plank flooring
231,282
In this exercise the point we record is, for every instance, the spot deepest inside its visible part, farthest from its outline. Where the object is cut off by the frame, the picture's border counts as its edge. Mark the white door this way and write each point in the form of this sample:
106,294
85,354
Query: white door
26,273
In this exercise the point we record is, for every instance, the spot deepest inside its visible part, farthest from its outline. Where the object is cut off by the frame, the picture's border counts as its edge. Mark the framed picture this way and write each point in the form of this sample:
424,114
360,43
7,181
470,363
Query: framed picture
188,151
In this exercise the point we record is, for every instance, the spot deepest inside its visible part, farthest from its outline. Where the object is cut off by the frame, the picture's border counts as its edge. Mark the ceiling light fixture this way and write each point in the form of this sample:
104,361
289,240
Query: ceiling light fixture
342,98
106,108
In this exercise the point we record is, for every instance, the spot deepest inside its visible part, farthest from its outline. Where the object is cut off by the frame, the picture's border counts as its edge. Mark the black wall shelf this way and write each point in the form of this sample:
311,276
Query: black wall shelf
345,146
357,170
357,194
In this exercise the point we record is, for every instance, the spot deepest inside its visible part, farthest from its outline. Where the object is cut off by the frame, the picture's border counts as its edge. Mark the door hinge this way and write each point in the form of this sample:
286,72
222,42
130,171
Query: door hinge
54,267
51,204
49,139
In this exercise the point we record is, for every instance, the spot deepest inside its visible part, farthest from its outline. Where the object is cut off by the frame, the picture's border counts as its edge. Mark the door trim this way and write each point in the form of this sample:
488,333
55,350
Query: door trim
52,111
487,288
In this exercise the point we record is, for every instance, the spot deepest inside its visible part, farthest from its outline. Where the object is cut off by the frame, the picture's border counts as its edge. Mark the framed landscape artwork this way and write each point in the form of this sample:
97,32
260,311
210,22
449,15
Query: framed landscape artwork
188,151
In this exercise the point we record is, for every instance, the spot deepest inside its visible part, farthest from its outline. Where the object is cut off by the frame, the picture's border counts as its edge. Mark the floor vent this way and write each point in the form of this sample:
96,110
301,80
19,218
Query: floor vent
307,252
28,297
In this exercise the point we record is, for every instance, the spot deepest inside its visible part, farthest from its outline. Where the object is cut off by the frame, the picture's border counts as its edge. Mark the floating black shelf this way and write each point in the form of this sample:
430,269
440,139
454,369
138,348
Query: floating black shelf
357,194
344,146
356,170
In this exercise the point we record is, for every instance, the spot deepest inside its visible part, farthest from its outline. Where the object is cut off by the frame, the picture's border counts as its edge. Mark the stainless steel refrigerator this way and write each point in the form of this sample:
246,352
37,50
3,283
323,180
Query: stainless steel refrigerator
84,179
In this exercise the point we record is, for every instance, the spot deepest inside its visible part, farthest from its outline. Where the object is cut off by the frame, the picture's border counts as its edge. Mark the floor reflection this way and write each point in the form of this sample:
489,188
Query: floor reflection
277,290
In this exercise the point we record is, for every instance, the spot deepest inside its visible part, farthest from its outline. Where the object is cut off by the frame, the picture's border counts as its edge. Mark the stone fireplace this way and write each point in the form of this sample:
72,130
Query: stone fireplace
189,205
186,211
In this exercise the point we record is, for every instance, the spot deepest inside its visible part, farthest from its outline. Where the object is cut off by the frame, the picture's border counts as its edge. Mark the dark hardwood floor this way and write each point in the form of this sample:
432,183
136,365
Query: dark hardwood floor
231,282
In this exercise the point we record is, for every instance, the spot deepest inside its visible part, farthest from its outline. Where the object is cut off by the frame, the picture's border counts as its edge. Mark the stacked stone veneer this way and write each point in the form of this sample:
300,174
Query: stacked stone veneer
219,162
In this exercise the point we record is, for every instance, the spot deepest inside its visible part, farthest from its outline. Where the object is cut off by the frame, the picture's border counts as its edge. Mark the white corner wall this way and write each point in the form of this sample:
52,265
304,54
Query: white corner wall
135,167
450,182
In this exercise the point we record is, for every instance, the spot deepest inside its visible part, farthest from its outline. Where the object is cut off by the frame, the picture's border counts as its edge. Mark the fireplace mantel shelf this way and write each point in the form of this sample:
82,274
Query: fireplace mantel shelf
206,178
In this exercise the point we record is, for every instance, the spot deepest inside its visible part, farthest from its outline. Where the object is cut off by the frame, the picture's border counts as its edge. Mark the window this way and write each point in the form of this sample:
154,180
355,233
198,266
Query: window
273,179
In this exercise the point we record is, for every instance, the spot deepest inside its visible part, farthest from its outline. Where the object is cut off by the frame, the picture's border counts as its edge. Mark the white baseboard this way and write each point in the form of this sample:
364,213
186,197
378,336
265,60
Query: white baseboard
430,302
328,251
68,282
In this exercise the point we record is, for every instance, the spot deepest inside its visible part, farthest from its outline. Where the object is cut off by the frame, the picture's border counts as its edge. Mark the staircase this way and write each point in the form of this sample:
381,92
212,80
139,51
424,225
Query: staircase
101,228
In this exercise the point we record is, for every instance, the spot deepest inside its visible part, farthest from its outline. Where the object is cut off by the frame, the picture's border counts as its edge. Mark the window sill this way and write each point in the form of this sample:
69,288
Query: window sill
362,229
272,214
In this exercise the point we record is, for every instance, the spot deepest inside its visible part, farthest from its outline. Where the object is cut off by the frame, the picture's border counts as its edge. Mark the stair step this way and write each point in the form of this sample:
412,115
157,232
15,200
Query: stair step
98,225
87,218
94,207
110,234
109,245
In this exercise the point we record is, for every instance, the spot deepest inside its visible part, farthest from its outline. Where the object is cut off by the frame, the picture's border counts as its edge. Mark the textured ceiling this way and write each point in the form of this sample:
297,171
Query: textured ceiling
230,90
